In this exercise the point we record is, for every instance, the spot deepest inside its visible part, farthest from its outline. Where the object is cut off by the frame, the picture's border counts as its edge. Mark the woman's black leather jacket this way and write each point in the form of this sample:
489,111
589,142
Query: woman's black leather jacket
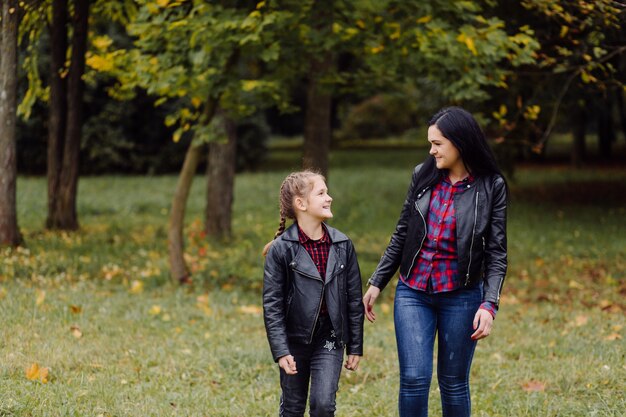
480,211
293,290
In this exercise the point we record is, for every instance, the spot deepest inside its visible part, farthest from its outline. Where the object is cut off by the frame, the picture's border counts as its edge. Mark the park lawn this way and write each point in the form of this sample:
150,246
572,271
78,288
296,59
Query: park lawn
96,307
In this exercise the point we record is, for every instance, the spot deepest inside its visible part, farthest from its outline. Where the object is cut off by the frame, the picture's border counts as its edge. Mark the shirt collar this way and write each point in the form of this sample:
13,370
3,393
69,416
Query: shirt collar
467,180
304,238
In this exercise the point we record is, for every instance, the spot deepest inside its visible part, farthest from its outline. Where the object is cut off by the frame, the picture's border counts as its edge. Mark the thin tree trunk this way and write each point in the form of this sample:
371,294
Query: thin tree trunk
68,219
178,268
317,124
9,231
579,132
220,182
179,273
57,109
606,134
318,117
622,110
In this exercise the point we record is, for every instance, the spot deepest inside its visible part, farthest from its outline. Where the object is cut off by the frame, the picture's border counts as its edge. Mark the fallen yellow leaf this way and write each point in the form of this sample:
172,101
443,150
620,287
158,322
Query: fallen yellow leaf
136,287
205,308
534,386
575,285
76,332
36,373
251,309
581,320
203,299
41,296
613,336
155,310
385,308
76,309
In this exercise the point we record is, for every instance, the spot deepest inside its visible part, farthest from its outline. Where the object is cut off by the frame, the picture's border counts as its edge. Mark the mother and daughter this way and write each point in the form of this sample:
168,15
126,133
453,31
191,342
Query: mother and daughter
450,247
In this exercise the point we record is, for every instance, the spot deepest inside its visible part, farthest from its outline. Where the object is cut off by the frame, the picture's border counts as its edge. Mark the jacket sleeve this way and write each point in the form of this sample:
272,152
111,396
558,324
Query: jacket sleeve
356,311
391,259
495,245
274,296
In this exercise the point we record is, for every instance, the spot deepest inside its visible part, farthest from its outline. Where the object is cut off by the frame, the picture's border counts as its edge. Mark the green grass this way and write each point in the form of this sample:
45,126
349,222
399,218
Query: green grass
149,348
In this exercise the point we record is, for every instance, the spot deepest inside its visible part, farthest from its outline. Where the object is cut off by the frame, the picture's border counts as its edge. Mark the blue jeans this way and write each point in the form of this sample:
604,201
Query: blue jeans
418,316
320,363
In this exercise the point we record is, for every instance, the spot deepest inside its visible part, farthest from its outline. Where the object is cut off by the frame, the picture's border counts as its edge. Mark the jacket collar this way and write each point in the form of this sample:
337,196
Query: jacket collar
335,235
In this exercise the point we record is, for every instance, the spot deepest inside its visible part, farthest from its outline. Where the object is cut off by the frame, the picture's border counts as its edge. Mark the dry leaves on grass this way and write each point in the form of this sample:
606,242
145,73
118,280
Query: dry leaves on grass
136,287
37,373
202,302
581,320
76,332
534,386
251,309
41,297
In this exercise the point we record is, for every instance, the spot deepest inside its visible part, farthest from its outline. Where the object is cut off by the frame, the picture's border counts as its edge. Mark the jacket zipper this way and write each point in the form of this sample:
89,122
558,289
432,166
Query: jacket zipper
423,238
319,307
467,276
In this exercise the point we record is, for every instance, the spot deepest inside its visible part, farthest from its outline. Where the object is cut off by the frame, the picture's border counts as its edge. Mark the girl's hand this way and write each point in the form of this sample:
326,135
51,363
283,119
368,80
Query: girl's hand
288,364
483,322
368,301
352,363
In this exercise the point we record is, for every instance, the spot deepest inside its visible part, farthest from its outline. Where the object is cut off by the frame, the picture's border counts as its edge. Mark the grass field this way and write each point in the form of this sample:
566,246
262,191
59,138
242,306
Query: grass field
96,308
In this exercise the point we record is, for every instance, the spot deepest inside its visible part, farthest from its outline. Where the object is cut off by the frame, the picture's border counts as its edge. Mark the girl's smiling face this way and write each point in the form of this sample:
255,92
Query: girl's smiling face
318,201
446,155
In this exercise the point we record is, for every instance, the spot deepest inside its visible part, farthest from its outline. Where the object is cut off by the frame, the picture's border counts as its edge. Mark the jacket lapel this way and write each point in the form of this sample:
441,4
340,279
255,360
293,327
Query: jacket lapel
333,262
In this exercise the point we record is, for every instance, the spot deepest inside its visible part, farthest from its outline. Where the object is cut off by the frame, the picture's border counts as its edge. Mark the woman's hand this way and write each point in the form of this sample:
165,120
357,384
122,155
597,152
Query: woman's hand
288,364
352,363
368,301
483,322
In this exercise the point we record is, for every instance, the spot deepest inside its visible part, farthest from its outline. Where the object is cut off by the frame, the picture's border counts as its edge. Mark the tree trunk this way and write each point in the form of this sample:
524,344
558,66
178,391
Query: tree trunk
622,110
68,187
317,124
9,231
179,272
176,246
57,108
220,182
178,268
606,134
579,131
318,117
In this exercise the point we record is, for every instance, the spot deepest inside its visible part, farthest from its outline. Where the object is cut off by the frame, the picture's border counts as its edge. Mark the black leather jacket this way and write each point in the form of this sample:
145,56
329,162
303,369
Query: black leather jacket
293,290
480,211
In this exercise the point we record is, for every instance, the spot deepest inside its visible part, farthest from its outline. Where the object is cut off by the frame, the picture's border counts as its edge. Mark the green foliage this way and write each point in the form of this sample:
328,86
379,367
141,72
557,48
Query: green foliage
192,66
579,63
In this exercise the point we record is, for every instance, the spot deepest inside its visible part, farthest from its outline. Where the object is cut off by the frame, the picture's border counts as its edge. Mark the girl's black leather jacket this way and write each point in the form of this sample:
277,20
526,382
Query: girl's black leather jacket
293,290
480,212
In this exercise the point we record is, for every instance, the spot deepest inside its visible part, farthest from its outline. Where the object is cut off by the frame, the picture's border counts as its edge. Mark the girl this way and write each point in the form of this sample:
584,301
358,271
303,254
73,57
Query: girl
450,246
311,298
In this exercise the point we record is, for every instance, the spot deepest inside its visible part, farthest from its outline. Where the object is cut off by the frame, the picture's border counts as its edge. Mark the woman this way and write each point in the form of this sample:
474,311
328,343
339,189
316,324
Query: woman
450,247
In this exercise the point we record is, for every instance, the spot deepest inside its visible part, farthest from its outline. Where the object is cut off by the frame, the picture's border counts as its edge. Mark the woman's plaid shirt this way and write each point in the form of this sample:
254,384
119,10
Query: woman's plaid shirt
436,269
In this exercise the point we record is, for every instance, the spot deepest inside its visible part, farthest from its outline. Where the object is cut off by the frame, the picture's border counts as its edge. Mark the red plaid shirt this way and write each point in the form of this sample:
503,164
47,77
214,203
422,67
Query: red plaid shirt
436,269
318,250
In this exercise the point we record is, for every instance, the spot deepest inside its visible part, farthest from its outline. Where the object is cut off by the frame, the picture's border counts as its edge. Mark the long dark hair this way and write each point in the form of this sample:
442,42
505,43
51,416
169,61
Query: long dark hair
459,126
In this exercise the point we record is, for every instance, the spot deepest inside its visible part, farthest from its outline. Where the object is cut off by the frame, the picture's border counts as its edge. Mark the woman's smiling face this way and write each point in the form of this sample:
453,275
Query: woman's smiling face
446,155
